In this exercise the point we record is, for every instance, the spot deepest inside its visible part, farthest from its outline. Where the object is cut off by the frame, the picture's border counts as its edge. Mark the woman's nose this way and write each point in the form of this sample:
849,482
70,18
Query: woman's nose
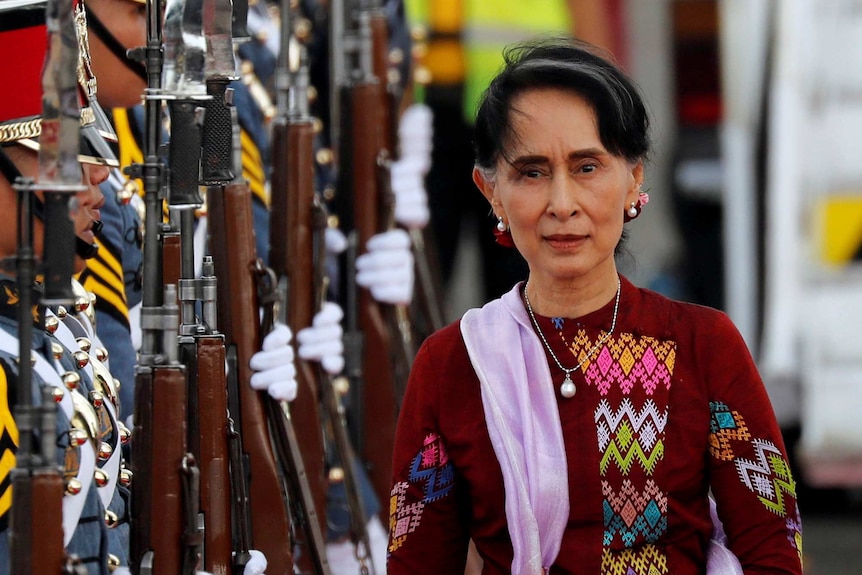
562,200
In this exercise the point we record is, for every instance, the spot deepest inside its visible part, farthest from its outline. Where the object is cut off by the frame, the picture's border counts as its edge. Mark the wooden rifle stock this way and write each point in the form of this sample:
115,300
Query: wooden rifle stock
160,455
171,258
236,263
36,527
208,440
381,68
36,515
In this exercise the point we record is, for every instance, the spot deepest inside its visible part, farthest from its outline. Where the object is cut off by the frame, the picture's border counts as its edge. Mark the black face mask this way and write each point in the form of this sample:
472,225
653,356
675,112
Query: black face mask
108,39
82,249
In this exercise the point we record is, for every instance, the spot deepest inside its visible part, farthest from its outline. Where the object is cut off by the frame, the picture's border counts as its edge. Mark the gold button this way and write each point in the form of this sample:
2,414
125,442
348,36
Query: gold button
71,380
336,475
323,156
73,486
84,343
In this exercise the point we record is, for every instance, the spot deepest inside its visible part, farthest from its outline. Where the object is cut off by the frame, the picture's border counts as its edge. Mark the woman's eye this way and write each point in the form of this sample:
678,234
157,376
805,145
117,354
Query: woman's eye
587,168
530,173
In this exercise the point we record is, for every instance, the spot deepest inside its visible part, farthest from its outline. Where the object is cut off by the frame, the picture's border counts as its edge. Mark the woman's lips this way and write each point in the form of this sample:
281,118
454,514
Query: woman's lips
565,241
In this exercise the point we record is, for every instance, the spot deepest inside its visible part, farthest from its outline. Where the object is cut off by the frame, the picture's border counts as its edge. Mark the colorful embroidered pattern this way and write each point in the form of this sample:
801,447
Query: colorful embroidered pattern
628,435
725,426
766,473
633,376
648,560
794,531
404,518
432,472
630,513
625,362
768,476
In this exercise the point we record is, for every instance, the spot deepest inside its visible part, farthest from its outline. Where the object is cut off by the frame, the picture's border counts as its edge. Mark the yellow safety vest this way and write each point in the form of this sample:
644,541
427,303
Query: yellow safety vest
467,37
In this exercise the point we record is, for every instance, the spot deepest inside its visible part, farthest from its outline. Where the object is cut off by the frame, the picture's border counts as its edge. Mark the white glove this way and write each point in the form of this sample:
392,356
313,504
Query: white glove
322,341
257,564
408,186
387,268
334,240
273,365
415,130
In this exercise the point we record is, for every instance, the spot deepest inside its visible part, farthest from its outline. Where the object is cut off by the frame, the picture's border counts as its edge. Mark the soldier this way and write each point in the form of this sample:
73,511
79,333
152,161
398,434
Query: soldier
114,274
87,432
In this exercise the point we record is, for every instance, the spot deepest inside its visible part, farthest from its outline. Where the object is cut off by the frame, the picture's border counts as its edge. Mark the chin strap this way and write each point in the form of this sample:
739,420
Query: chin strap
11,172
114,45
88,251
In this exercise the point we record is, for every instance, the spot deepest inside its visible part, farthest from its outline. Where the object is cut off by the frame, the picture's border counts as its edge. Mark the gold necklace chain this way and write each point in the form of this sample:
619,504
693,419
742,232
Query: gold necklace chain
567,388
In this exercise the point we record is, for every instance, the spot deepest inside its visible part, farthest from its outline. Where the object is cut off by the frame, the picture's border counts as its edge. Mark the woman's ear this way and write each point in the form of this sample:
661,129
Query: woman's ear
485,186
637,180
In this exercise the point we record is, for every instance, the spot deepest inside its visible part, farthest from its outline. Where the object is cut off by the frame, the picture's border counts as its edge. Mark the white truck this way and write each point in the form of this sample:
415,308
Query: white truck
805,57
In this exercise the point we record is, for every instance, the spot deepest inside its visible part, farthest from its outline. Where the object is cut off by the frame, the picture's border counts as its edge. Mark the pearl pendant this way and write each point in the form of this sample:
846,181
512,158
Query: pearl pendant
567,389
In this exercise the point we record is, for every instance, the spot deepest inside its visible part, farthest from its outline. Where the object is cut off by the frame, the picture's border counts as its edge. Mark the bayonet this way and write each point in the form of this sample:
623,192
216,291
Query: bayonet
218,29
216,168
59,170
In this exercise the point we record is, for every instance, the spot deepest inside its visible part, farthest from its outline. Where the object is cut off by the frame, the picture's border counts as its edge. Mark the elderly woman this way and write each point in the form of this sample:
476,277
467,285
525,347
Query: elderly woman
579,424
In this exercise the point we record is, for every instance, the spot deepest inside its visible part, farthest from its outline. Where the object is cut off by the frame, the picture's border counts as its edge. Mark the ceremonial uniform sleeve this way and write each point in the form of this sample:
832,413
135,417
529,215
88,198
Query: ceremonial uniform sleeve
749,472
428,510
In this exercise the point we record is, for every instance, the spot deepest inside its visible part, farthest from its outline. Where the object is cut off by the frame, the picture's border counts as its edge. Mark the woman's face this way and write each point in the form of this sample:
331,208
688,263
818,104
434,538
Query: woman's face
562,194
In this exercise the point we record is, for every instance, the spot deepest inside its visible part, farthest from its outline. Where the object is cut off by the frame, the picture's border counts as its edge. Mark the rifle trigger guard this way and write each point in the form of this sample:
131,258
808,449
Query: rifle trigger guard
267,283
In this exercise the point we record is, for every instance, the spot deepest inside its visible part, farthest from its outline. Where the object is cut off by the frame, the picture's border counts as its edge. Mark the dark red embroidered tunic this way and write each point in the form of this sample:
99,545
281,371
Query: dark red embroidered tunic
669,407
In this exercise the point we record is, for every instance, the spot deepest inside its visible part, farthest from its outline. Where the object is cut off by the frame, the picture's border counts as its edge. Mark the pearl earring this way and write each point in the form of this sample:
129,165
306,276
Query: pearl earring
500,224
633,211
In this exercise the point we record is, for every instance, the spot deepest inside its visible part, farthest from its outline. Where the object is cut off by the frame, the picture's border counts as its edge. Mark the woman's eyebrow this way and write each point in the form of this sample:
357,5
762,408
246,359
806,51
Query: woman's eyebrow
575,155
529,159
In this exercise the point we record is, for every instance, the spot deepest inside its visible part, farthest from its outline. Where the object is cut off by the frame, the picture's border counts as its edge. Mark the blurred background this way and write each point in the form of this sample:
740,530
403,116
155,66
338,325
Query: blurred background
756,199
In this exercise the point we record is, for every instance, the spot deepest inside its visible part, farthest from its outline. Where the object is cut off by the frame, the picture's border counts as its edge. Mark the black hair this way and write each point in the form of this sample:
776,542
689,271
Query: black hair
569,65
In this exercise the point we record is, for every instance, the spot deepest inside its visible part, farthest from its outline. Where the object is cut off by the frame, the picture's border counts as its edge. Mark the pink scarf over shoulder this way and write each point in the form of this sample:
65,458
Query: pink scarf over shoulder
524,425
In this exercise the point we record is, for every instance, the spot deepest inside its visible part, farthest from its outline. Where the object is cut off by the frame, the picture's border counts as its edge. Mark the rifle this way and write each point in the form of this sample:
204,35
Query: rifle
298,258
374,362
291,248
36,523
428,308
397,316
202,347
260,516
164,534
37,480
